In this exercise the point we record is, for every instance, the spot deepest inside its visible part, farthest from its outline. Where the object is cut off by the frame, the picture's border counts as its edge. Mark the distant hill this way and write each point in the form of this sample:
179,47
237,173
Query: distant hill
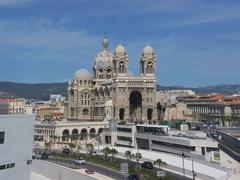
42,91
223,89
39,91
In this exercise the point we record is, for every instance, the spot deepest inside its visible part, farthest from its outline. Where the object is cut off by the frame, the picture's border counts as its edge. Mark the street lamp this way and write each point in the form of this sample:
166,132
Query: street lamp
193,173
183,156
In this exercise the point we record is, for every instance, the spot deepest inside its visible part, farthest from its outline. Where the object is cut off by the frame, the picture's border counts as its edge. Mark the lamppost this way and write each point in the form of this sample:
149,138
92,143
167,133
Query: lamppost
183,156
193,173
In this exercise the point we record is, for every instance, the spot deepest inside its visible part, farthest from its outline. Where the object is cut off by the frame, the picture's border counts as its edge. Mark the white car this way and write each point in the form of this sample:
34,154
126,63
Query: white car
94,153
79,161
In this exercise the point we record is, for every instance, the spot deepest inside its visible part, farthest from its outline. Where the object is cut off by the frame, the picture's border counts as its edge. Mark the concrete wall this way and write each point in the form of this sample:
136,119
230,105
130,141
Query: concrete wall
17,146
57,172
229,162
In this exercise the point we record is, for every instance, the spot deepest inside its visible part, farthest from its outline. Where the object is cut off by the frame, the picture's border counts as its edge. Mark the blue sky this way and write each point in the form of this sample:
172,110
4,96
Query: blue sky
197,43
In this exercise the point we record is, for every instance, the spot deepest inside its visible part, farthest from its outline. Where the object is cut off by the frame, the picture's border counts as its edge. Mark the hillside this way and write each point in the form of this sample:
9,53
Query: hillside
39,91
42,91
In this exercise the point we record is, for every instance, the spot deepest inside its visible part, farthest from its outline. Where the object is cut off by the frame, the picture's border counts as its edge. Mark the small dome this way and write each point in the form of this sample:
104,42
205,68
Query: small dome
120,49
148,50
82,74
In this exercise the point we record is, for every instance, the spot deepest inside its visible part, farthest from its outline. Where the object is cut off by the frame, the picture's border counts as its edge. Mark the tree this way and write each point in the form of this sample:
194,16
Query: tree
160,163
113,152
72,146
89,148
138,156
128,155
106,152
48,145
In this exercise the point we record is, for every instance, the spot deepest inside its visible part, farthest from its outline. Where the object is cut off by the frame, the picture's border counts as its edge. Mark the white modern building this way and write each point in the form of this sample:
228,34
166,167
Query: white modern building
160,138
16,144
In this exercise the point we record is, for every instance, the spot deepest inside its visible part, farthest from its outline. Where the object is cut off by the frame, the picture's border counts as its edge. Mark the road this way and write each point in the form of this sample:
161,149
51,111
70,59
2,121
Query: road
104,170
100,169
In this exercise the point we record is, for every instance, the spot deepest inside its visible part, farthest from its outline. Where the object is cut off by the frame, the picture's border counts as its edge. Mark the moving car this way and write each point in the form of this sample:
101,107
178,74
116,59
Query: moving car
147,165
133,177
79,161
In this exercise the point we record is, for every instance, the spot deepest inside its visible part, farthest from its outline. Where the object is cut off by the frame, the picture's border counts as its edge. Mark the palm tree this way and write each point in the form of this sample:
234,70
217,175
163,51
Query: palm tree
89,148
113,152
138,156
106,152
48,145
72,146
127,154
160,163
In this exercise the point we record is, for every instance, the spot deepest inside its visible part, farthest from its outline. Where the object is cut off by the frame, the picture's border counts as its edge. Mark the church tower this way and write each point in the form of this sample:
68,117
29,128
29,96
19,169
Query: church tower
120,61
148,62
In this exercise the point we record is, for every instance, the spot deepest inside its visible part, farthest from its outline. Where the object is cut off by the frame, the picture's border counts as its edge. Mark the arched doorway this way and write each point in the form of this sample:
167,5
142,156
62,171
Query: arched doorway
121,114
149,113
65,135
100,130
84,133
74,134
135,106
92,132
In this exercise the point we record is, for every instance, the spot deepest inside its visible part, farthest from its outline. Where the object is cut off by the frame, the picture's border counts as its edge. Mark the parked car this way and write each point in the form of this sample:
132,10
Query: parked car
36,156
94,153
147,165
79,161
66,151
44,156
133,177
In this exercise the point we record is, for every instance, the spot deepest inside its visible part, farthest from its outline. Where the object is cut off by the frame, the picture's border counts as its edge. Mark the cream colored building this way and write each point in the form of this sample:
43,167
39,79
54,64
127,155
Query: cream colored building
112,92
64,129
178,111
15,106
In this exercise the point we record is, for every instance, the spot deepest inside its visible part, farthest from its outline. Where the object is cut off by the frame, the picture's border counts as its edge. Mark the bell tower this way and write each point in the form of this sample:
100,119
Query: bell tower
120,61
148,62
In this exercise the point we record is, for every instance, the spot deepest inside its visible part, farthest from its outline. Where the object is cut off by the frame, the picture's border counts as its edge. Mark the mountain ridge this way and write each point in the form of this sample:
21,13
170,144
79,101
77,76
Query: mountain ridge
42,91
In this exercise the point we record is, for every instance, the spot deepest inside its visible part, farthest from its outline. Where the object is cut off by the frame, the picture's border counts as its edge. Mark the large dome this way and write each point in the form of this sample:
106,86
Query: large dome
82,74
105,57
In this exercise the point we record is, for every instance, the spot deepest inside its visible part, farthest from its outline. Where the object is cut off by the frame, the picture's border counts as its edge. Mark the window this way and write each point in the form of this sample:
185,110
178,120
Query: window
6,166
122,68
29,161
2,136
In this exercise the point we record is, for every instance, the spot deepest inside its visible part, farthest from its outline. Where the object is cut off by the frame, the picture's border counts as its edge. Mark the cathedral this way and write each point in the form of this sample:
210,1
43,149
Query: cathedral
112,92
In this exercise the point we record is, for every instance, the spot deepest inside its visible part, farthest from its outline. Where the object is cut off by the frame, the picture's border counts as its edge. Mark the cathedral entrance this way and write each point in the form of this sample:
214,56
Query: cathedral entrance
135,106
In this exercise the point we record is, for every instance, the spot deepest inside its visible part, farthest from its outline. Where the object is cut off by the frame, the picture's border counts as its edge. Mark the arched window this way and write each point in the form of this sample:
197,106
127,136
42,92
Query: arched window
85,98
150,68
100,74
109,74
85,112
121,68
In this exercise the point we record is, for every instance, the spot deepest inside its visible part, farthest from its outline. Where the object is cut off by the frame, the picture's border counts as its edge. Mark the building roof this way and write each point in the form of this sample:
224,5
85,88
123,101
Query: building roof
104,59
148,49
82,74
